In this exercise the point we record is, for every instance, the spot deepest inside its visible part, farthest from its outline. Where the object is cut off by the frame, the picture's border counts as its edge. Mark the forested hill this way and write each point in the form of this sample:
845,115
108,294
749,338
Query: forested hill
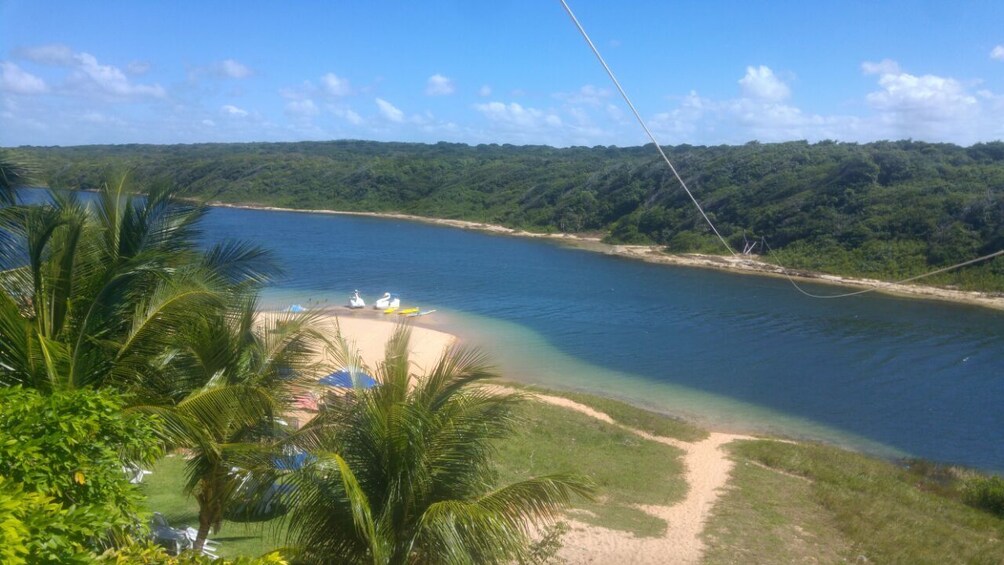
886,209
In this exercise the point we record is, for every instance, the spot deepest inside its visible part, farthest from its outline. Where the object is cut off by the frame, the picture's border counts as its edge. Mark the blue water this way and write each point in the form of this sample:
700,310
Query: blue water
891,376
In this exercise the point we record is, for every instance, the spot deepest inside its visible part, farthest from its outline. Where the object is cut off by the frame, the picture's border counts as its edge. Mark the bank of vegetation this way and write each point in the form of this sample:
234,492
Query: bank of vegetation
880,210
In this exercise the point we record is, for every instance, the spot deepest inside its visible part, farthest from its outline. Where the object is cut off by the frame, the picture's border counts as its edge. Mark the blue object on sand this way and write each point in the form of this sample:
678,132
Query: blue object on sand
343,379
296,308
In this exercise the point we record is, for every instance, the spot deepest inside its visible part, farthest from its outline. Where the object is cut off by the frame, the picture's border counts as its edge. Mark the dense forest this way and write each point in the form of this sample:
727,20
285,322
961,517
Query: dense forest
885,209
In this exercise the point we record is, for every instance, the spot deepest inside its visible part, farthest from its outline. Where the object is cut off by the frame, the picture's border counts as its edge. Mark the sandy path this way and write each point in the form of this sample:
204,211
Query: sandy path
707,472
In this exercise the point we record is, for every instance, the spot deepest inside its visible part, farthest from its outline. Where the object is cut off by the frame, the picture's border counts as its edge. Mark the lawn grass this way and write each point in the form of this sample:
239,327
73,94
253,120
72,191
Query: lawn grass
164,494
625,414
627,469
801,502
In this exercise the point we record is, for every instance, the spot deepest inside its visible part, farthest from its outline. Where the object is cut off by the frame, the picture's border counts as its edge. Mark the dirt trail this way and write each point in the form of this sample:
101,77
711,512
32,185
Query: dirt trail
707,473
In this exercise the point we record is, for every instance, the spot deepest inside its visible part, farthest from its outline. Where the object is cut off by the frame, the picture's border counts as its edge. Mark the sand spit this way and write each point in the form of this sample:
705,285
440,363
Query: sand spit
654,254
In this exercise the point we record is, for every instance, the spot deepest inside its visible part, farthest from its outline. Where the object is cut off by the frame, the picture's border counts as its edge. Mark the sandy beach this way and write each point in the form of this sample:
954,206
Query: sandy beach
748,265
370,334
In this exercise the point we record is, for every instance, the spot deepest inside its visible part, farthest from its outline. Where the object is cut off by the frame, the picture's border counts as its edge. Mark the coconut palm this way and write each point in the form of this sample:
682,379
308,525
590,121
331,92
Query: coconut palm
92,296
14,172
404,471
242,371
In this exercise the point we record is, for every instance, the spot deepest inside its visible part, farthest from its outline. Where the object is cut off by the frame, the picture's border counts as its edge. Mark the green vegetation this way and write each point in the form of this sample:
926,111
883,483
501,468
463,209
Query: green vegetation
63,491
799,502
884,209
626,469
985,493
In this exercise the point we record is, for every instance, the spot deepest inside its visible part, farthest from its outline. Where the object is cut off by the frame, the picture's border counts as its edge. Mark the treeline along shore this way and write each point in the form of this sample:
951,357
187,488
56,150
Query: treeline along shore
884,210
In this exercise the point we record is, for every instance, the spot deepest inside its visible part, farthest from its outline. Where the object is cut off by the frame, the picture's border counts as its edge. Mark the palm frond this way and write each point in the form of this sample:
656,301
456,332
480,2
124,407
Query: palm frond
237,261
496,527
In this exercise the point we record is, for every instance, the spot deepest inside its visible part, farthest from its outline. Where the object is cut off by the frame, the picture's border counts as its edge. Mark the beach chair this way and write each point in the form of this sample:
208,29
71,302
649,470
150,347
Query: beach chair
172,539
135,473
210,548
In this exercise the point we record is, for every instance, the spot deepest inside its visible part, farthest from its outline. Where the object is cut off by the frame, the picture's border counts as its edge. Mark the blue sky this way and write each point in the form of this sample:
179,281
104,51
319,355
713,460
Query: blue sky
499,72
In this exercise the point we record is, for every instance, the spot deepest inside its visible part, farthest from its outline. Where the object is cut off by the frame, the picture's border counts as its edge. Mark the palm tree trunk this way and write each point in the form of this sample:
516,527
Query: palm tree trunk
210,511
205,523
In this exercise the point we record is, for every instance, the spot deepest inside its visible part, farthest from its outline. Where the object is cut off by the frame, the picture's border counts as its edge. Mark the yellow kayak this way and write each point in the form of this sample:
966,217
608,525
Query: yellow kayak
389,310
407,311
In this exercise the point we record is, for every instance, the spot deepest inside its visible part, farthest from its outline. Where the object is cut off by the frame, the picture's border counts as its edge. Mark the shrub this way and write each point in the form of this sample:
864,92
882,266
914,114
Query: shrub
62,456
985,493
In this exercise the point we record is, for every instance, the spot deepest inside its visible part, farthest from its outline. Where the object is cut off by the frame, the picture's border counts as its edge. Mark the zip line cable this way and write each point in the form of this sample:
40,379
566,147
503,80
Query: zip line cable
874,288
679,179
637,116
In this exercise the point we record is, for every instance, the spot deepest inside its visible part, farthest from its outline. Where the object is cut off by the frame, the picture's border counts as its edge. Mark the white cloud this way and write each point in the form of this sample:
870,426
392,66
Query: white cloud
485,91
51,54
233,111
588,94
883,67
209,123
348,115
438,85
389,111
88,73
18,81
230,68
138,68
926,96
997,53
927,107
761,83
335,85
514,114
301,108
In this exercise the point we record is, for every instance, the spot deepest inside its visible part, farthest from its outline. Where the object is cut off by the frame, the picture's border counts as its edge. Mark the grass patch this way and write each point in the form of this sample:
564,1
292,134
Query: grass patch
625,414
834,505
627,469
163,490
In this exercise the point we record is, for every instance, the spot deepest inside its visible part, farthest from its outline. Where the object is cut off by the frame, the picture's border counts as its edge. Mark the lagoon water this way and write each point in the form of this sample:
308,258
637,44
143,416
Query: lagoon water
890,376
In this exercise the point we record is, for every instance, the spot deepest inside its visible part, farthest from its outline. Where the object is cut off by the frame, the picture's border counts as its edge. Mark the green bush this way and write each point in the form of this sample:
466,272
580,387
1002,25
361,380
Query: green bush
985,493
62,457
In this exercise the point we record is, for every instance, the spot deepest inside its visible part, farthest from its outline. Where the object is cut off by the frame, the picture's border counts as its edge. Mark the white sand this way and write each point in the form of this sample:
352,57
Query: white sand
370,334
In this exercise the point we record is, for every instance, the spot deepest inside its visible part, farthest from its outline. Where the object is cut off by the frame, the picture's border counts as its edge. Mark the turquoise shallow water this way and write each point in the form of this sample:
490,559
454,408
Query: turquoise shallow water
887,375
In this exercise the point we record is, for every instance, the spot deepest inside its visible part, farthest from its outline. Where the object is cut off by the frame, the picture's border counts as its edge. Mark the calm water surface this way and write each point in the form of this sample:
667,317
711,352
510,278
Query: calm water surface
891,376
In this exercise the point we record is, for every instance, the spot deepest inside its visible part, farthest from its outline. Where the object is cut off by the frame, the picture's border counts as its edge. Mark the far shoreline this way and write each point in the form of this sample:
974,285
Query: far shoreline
654,254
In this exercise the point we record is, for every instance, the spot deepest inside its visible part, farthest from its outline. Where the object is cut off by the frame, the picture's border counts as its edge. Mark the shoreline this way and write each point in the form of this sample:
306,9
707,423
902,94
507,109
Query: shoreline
654,254
368,330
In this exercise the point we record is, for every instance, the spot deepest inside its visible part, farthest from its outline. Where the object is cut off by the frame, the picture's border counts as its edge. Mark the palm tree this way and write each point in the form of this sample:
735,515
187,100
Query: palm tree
14,172
93,296
241,373
404,471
